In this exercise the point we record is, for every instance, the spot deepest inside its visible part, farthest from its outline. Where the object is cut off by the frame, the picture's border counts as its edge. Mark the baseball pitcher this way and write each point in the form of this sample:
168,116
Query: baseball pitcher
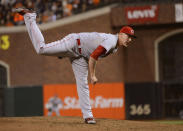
83,49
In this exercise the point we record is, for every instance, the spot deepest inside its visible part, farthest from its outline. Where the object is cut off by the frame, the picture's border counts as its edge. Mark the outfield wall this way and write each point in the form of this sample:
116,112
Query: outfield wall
23,101
108,100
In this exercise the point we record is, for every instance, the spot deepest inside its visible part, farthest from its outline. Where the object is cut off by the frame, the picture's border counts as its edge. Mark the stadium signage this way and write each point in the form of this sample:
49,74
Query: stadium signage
107,100
142,14
97,102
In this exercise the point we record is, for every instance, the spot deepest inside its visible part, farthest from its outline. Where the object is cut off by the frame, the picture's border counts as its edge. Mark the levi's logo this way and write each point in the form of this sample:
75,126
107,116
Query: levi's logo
141,14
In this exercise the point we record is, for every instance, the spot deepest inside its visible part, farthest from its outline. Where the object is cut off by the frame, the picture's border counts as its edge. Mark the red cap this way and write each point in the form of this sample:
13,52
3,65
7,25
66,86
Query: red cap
128,30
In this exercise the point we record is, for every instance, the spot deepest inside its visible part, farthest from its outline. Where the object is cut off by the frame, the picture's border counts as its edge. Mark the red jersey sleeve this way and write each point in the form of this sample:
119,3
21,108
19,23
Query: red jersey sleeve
98,52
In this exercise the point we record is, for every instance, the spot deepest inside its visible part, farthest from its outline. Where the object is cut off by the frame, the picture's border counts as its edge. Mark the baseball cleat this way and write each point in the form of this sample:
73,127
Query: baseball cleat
90,121
22,11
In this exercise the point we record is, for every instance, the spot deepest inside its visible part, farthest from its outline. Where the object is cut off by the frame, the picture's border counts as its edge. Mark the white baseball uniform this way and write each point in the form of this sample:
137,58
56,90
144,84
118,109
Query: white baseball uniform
78,52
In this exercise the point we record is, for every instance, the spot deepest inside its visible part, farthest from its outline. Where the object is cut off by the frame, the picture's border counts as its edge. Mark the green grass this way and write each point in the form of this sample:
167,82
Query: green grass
175,122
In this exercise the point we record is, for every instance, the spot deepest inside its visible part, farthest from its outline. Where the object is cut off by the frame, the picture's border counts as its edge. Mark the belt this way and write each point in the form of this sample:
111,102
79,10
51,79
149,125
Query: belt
79,45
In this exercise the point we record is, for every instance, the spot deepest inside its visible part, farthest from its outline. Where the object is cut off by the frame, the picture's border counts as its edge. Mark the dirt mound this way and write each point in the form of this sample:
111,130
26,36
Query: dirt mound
77,124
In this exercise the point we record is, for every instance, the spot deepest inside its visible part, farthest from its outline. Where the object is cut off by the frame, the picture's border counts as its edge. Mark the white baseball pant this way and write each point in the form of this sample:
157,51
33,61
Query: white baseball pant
63,47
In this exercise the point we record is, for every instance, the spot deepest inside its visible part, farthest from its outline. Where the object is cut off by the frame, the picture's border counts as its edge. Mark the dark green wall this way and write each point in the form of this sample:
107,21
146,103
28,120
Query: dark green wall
143,100
24,101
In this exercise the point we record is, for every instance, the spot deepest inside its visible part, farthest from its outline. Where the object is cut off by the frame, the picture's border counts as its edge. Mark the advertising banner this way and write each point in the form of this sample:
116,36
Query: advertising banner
142,14
107,100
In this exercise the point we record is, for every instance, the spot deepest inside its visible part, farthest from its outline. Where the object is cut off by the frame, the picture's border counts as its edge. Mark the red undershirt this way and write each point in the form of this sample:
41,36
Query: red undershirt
100,50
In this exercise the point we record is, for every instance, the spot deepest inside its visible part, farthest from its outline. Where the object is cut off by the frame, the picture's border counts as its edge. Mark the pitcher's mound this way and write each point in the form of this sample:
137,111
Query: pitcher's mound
77,124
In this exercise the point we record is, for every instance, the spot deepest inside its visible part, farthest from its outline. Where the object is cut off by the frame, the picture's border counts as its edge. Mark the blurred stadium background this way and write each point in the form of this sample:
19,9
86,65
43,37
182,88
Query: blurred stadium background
147,76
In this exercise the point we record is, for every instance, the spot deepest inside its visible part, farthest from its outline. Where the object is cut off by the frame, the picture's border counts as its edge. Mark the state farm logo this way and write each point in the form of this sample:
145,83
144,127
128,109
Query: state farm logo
97,102
143,14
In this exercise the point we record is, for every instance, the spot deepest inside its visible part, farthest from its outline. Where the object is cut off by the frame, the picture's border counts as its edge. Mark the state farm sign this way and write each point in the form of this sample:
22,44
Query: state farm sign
107,100
97,102
142,14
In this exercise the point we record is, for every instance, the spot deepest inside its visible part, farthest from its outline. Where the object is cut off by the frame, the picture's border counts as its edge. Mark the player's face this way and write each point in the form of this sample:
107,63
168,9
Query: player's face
124,39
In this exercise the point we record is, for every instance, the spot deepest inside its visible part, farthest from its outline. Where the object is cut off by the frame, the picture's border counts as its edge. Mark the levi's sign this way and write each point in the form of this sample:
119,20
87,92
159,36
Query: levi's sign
142,14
